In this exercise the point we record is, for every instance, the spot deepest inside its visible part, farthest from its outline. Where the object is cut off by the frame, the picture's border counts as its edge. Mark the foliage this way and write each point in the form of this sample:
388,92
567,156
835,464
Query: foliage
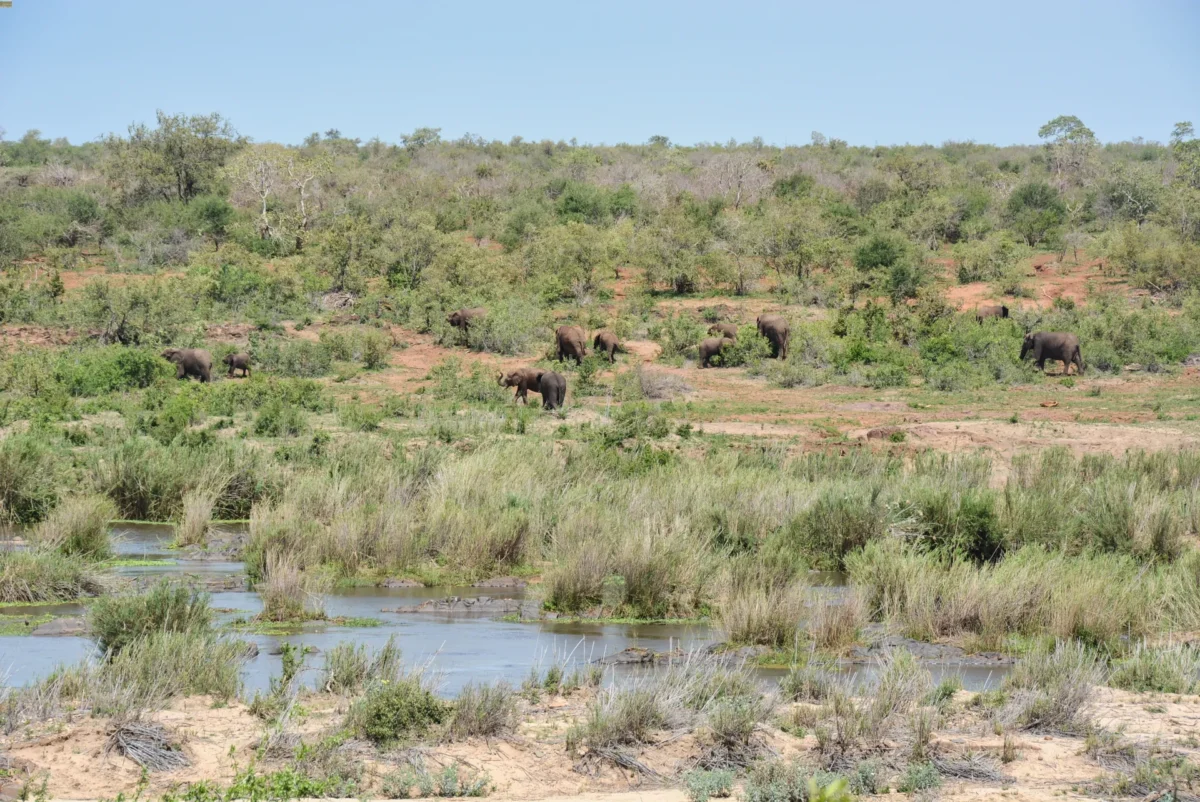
116,622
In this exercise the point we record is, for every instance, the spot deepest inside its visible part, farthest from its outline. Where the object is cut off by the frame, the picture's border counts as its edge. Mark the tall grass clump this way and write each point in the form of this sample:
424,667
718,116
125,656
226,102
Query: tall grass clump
685,690
78,525
834,622
756,615
1052,688
45,576
168,663
1165,669
142,678
30,476
198,506
118,621
484,710
349,667
1031,591
289,594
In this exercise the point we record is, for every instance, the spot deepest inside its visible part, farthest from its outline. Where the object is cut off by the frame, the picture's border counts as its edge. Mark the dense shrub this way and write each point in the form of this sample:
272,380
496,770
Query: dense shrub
118,621
397,711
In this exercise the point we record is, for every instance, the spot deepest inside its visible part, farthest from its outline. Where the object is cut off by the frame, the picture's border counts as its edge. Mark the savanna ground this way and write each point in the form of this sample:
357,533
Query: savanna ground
972,502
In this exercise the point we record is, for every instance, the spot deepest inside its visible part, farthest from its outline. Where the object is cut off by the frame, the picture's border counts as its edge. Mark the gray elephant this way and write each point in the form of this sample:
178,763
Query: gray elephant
1060,345
710,348
572,343
775,328
553,387
988,312
238,362
463,318
524,379
190,362
605,342
726,330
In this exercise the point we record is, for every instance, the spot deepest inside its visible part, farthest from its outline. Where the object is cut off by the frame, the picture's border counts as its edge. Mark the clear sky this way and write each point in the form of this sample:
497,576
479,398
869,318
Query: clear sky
605,70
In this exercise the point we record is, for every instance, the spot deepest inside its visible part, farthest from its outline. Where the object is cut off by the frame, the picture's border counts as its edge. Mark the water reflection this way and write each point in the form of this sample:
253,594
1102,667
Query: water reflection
460,649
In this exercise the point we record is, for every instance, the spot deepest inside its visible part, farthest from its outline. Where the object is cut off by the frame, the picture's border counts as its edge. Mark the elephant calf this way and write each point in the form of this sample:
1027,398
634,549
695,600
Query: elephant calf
726,330
710,348
553,387
524,379
1060,345
238,362
987,312
606,342
777,331
190,362
572,343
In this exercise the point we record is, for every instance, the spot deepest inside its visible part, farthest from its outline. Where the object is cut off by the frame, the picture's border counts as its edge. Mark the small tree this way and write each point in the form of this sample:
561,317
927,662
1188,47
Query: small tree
212,216
1035,211
1070,146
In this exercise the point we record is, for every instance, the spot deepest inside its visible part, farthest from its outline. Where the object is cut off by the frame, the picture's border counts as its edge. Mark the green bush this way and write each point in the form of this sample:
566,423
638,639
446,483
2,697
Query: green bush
117,621
30,475
277,418
400,710
705,785
919,777
111,369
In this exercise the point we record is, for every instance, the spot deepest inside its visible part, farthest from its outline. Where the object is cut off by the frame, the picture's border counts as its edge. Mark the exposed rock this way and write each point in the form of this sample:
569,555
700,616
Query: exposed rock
883,432
734,655
1193,361
456,605
510,582
926,652
210,583
69,626
393,582
636,655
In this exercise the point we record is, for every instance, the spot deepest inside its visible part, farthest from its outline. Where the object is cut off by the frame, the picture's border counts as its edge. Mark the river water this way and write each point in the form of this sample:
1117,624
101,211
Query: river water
459,648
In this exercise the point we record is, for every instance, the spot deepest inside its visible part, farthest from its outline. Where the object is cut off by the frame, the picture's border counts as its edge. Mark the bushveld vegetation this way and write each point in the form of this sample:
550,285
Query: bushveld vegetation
323,260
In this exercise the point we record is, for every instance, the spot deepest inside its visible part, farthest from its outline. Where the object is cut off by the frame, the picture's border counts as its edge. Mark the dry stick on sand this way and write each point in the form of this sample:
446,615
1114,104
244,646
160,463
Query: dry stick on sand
146,744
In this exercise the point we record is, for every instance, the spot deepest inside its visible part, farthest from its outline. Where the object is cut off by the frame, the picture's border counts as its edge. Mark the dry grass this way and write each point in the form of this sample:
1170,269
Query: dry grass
289,594
78,525
834,622
770,616
197,515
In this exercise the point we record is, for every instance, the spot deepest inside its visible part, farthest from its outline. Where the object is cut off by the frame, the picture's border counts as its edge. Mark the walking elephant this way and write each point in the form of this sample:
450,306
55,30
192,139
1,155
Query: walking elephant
775,328
710,348
553,387
605,342
463,318
572,343
524,379
1060,345
238,362
726,330
988,312
190,362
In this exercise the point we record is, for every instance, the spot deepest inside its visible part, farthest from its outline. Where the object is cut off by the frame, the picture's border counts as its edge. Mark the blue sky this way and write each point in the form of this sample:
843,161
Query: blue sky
867,72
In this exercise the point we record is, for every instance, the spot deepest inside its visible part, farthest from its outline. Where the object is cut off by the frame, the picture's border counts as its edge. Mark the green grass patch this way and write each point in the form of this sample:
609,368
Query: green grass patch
23,624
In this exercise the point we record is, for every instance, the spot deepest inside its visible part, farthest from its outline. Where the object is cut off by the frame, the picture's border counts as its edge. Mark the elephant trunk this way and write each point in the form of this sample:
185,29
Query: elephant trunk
500,380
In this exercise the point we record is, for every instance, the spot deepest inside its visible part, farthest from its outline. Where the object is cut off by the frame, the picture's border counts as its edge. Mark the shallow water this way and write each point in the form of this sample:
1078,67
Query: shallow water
460,649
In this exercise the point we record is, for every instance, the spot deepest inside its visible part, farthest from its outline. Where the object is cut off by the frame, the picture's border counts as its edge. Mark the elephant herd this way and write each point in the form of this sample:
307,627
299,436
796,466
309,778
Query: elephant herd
571,343
197,363
774,328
